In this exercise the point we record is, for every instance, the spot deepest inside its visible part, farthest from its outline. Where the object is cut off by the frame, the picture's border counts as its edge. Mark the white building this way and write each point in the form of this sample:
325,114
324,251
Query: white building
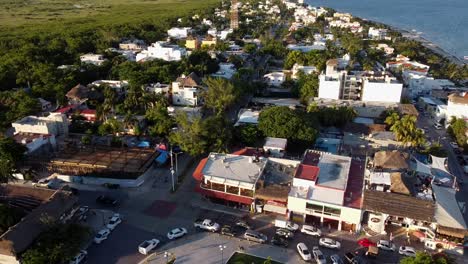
406,65
305,69
457,106
377,33
306,48
337,84
226,71
163,51
96,59
387,49
275,78
54,124
34,142
118,86
179,33
275,147
326,191
158,88
382,89
185,90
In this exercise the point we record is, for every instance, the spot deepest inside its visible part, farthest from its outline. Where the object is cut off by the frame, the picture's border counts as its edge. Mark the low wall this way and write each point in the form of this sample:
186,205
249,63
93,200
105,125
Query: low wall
100,181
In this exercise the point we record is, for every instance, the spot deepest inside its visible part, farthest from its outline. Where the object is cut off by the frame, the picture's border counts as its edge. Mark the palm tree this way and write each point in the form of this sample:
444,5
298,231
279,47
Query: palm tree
392,119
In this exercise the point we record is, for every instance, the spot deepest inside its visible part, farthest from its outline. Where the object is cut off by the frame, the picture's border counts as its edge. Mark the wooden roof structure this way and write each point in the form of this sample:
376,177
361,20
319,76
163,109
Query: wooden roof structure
192,80
121,162
400,205
399,184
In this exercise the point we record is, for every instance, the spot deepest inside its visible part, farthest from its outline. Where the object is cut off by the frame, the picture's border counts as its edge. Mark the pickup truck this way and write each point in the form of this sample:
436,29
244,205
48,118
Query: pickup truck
207,225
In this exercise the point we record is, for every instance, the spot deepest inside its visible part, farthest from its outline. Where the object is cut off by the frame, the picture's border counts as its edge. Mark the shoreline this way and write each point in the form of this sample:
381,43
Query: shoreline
414,36
425,42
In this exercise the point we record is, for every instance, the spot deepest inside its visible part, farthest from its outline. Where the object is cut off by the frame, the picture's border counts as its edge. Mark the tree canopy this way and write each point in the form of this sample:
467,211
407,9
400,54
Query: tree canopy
220,94
283,122
405,129
11,153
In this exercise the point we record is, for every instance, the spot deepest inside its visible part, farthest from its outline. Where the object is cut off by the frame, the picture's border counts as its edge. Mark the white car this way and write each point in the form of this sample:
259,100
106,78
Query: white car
454,144
304,252
386,245
79,258
292,226
437,126
114,222
329,243
407,251
176,233
311,230
101,236
318,255
146,246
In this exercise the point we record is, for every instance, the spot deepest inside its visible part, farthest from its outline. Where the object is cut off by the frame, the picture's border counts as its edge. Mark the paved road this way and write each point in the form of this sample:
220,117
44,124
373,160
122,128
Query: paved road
440,135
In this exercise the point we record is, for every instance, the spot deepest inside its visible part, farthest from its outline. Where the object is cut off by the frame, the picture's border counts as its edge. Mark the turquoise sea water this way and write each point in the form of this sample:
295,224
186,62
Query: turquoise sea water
443,22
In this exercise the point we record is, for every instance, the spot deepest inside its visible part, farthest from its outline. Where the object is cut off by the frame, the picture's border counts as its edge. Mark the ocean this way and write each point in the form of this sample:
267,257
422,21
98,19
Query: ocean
443,22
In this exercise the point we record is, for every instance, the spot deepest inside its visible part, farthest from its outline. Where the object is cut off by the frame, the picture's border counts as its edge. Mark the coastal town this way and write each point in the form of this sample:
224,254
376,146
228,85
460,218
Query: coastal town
256,131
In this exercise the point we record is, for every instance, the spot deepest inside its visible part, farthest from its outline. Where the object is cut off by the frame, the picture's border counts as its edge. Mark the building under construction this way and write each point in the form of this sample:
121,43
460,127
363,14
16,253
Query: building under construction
234,14
109,162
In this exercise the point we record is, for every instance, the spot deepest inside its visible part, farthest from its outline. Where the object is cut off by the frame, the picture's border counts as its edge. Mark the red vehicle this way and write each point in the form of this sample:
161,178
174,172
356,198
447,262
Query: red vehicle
364,242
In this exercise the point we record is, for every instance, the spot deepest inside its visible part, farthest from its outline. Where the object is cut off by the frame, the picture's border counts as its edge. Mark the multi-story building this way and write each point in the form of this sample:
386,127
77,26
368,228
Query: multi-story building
185,90
162,50
54,124
457,106
327,190
363,86
377,33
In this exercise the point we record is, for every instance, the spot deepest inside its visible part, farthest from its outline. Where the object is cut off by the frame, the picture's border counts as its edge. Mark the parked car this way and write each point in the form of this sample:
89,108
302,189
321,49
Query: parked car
79,258
106,200
336,259
286,224
228,231
284,233
114,222
365,242
304,252
146,246
82,213
279,241
176,233
206,224
407,251
101,235
329,243
386,245
438,126
454,145
318,255
44,183
255,236
311,230
243,224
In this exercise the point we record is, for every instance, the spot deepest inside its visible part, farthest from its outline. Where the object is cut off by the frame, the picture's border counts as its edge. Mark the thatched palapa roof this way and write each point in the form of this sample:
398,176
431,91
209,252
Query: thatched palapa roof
391,160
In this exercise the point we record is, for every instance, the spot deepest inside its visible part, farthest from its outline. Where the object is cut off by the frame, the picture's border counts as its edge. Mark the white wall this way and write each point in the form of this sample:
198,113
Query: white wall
457,110
328,89
381,92
4,259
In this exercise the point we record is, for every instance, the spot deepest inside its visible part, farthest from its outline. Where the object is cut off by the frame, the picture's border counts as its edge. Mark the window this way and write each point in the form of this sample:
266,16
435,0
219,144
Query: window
314,207
245,192
233,190
332,211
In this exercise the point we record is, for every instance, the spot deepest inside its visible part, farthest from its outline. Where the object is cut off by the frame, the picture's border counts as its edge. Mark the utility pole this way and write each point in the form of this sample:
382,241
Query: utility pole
172,170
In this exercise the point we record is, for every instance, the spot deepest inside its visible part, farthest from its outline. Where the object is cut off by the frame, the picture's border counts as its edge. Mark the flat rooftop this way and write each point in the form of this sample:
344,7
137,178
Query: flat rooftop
334,171
279,143
234,168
